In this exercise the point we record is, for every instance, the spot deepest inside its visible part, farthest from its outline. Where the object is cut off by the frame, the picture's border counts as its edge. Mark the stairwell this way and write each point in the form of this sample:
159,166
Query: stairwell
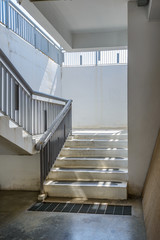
91,165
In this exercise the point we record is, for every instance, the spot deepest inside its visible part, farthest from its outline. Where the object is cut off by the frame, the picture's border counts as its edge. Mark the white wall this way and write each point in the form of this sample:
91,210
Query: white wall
18,172
41,73
143,93
99,95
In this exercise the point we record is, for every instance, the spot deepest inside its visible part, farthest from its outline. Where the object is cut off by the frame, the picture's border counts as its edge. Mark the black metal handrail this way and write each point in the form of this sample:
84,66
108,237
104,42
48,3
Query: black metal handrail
52,141
51,130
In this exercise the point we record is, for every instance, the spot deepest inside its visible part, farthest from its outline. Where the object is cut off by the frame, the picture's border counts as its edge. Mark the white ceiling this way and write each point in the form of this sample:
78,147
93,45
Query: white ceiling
86,24
102,21
88,15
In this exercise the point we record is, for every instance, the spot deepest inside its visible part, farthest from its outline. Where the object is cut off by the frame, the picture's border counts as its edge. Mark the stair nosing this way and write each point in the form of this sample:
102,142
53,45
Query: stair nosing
83,170
50,182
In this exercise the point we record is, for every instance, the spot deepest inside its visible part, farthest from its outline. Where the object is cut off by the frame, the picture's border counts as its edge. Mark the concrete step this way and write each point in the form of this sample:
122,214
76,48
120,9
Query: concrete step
86,190
121,136
74,174
66,162
90,143
93,152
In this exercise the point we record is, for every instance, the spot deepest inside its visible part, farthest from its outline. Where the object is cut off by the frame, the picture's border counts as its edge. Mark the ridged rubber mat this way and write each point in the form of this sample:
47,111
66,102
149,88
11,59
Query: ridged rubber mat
82,208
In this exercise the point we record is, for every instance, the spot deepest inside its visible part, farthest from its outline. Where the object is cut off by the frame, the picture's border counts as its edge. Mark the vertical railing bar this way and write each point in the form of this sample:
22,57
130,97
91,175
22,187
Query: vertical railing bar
36,117
9,94
4,80
30,115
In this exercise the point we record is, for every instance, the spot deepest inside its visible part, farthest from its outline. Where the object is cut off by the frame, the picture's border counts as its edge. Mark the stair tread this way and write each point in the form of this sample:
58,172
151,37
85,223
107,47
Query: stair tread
97,133
106,184
92,159
93,170
96,140
93,149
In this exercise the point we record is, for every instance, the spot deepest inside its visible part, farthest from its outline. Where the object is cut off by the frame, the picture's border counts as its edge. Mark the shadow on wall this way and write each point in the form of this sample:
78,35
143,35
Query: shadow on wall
51,79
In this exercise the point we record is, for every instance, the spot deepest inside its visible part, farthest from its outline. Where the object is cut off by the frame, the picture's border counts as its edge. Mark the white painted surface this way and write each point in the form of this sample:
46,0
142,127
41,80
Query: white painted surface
82,143
20,172
116,39
94,152
89,190
99,95
81,174
70,21
91,162
12,140
40,72
48,26
86,15
143,93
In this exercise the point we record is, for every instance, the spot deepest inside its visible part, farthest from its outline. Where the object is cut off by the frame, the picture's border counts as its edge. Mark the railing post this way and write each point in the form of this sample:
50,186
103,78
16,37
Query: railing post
30,121
80,59
41,170
117,57
34,37
7,13
96,58
45,120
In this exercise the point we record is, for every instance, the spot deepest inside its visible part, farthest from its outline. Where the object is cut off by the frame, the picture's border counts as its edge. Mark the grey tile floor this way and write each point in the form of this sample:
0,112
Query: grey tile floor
16,223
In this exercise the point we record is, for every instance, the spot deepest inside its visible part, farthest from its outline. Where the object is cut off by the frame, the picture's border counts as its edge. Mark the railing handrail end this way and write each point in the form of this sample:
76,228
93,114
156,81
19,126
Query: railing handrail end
57,121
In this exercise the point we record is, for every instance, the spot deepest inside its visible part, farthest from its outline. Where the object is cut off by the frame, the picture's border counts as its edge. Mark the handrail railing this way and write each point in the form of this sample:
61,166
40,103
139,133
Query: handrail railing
41,115
95,58
34,111
52,141
16,20
51,130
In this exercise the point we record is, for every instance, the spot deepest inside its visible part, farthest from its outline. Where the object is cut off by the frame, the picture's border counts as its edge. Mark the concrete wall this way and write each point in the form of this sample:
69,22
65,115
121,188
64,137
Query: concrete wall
41,73
99,95
19,172
143,93
151,198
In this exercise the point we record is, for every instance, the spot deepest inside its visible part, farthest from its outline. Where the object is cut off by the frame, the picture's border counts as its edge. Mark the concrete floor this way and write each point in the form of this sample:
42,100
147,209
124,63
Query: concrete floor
17,223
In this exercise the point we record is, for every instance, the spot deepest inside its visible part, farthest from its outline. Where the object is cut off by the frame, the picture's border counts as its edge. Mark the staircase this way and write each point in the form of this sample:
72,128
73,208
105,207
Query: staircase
33,129
91,165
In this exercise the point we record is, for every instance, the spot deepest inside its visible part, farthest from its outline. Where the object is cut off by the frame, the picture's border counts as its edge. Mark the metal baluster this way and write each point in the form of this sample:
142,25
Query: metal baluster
35,114
30,115
41,169
33,117
4,90
27,111
12,98
42,117
9,94
39,117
